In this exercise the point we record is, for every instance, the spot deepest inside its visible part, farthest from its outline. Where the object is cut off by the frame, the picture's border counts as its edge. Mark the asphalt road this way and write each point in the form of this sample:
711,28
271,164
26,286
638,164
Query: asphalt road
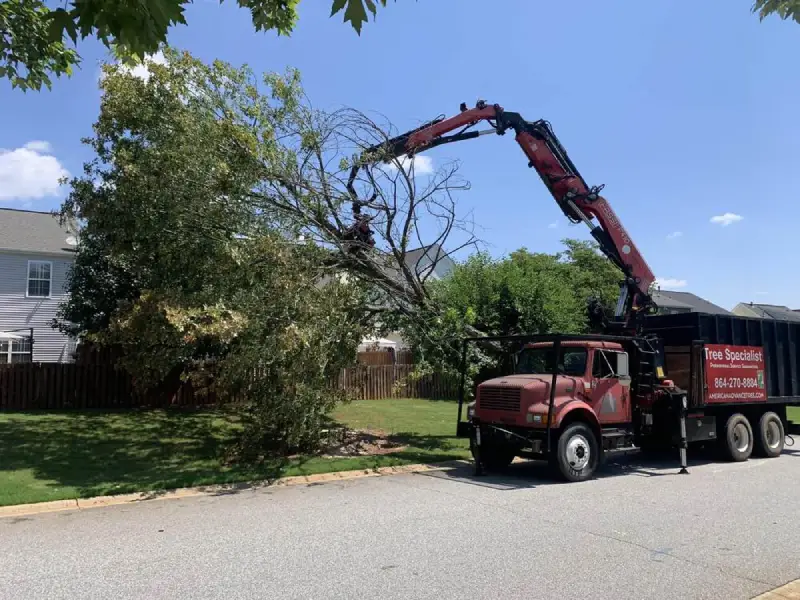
640,531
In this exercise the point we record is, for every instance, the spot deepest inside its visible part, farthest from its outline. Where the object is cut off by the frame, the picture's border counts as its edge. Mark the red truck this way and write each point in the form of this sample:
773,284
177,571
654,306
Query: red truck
649,381
689,379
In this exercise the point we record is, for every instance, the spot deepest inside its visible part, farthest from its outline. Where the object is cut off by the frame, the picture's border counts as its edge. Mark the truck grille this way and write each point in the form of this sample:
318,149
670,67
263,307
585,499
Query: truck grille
499,398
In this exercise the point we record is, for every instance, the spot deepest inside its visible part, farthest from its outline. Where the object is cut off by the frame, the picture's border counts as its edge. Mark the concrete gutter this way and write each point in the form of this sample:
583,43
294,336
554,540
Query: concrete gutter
20,510
790,591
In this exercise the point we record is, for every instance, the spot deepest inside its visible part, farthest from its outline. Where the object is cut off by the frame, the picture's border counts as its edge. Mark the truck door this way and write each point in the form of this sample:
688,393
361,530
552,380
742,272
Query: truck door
611,387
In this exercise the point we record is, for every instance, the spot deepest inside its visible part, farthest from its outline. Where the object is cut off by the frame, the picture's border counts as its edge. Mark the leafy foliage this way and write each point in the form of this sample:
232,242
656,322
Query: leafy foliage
191,275
28,54
355,11
525,293
785,9
32,35
98,281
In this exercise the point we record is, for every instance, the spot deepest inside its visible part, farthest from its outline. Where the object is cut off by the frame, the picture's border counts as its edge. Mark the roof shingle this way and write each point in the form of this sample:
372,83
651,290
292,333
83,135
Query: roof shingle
32,231
772,311
684,300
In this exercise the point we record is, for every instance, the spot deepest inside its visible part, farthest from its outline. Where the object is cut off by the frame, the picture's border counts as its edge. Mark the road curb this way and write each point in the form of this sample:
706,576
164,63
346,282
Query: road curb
21,510
789,591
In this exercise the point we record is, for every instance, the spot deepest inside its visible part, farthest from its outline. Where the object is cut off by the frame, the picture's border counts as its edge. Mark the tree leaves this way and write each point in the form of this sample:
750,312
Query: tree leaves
785,9
524,293
179,269
355,11
32,35
28,54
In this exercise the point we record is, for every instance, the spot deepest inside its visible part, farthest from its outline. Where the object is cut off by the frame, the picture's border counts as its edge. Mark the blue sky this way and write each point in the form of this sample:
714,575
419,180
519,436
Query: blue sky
684,115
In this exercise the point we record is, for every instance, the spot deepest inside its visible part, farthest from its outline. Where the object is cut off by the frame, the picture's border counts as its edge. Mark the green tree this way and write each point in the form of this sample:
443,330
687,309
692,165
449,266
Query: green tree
523,293
271,159
220,207
179,268
32,36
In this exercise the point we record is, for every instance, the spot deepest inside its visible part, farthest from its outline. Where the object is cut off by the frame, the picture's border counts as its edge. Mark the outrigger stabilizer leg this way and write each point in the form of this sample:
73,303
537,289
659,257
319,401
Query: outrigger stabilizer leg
476,452
683,442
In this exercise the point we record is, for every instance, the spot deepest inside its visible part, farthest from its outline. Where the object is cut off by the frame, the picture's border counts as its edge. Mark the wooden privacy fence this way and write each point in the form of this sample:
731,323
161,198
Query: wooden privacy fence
386,357
54,386
370,382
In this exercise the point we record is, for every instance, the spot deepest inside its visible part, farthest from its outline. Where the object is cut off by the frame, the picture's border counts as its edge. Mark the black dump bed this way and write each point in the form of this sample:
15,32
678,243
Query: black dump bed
779,340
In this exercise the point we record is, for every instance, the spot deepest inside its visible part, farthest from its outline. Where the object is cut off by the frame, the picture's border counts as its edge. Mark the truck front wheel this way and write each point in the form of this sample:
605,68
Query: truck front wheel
493,457
577,453
738,439
770,436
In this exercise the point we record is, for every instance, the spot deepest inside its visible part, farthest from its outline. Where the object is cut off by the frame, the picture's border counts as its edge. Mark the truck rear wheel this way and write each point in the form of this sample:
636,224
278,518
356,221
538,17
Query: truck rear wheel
577,453
738,439
770,436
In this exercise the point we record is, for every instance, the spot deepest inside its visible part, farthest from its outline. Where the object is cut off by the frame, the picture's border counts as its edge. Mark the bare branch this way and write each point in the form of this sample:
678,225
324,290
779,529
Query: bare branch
305,184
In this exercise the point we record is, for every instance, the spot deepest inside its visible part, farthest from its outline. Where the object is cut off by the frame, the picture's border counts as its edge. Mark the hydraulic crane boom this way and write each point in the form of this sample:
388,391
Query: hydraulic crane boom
577,200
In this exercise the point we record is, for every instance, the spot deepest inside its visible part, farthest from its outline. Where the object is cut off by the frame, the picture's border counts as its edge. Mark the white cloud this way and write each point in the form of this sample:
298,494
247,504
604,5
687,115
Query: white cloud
39,146
669,283
674,234
142,71
553,225
423,165
28,173
726,219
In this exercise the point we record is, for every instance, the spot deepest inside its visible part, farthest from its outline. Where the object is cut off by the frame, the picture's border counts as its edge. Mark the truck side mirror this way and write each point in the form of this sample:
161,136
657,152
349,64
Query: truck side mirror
622,365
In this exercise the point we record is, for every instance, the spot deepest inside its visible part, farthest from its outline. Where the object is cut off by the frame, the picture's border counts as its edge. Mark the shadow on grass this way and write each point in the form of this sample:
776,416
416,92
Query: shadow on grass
104,452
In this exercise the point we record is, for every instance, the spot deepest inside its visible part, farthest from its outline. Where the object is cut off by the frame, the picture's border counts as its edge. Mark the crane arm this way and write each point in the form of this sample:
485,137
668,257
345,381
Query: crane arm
578,201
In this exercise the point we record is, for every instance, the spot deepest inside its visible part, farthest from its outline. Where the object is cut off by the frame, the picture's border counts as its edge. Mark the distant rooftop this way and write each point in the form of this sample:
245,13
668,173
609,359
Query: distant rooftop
32,231
767,311
686,302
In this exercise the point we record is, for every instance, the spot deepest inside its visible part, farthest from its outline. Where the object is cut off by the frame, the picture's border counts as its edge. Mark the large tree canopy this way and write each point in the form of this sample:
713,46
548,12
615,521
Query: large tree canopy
180,268
32,35
193,131
218,226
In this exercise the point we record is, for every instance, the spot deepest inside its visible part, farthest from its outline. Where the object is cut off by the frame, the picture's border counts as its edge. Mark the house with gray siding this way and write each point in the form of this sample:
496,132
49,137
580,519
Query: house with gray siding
35,255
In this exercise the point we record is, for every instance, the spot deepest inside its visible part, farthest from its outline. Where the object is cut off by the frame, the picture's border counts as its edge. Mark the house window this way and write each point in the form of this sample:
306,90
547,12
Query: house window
40,276
15,351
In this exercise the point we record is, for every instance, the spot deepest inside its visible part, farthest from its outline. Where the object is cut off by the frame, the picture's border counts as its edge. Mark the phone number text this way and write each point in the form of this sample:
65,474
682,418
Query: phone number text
735,382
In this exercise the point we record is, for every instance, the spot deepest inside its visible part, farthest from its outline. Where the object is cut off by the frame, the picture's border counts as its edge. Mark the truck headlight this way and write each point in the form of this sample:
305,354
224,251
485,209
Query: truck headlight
470,411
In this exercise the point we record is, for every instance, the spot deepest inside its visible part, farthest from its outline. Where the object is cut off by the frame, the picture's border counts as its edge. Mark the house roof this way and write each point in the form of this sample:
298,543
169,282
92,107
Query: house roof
32,231
434,253
771,311
687,300
419,261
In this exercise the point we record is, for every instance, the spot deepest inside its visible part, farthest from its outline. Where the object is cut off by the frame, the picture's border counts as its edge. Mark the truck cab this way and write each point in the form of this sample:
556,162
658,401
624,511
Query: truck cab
581,388
589,376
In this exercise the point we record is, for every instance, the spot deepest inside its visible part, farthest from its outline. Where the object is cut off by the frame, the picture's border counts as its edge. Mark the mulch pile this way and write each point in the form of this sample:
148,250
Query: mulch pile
346,442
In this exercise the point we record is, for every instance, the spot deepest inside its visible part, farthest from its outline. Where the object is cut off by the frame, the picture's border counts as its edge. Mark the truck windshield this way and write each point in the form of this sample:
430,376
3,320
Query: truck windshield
540,361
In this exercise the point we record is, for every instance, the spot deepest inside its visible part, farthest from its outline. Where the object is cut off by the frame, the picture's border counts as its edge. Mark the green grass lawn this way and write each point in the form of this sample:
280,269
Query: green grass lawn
53,456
